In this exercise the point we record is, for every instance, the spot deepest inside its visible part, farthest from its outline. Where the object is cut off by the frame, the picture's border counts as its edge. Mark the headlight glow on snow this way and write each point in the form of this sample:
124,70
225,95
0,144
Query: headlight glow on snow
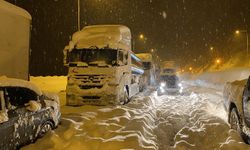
163,84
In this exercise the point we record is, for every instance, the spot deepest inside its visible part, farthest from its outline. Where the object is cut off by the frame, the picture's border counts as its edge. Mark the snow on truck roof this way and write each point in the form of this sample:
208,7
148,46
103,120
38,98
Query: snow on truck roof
11,82
8,7
113,36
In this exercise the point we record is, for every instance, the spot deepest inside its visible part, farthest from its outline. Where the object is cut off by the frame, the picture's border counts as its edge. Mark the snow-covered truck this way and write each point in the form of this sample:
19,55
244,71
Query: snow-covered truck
169,80
14,41
237,104
102,68
149,68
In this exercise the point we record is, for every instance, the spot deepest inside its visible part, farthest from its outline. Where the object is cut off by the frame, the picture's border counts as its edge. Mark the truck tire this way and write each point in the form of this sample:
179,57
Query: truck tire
125,98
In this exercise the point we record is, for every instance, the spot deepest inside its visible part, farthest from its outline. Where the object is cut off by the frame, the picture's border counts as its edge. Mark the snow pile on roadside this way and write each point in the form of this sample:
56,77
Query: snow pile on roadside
195,121
103,127
217,79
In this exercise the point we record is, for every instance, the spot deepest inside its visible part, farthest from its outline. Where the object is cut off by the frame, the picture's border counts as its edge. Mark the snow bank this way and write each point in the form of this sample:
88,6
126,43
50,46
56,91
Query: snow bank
94,127
217,79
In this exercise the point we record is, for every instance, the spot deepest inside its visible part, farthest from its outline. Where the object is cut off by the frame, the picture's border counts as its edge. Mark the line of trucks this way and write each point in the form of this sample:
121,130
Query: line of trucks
102,69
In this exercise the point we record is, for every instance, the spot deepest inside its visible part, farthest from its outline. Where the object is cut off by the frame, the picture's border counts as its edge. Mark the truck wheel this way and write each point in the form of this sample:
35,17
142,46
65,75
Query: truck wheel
46,127
125,98
234,120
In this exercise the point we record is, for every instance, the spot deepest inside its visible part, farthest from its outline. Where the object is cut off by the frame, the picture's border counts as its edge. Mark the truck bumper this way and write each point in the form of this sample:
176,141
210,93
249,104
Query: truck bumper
78,97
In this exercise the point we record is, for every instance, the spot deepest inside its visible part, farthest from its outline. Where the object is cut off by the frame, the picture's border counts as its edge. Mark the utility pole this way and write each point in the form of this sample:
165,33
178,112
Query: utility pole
244,31
78,15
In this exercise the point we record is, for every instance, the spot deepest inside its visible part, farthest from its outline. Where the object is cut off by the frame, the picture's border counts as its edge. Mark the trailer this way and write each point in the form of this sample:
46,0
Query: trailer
14,41
149,69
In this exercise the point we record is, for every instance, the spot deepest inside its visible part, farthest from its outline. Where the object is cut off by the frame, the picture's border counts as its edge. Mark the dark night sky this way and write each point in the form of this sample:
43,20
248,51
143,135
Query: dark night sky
181,30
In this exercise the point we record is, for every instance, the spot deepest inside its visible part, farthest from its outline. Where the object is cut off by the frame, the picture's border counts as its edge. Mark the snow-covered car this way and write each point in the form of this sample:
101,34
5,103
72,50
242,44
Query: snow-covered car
237,104
26,113
169,82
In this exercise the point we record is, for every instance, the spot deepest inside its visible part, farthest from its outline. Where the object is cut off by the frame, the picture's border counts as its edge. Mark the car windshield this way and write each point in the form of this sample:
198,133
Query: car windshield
94,57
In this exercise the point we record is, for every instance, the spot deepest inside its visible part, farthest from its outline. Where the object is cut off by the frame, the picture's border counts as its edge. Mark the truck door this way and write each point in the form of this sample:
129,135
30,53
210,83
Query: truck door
246,103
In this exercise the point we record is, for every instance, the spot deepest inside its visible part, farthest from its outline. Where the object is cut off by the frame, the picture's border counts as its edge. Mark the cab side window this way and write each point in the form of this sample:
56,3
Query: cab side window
120,58
18,96
125,58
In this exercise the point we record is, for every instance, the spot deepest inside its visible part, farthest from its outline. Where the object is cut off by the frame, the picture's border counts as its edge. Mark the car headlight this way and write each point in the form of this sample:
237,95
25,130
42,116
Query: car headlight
163,84
180,85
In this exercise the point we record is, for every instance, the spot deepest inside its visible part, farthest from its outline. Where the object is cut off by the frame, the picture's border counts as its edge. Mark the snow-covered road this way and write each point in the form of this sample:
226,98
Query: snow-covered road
193,120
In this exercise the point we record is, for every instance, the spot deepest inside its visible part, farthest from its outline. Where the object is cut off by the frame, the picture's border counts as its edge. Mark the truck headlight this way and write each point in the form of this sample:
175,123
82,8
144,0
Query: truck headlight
180,85
163,84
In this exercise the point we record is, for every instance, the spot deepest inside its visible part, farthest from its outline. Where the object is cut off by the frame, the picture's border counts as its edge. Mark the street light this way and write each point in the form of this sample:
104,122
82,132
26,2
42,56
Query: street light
141,36
217,61
243,31
211,48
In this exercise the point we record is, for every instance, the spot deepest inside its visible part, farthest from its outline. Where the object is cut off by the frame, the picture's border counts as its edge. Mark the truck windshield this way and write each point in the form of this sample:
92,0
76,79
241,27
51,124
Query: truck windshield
94,56
169,71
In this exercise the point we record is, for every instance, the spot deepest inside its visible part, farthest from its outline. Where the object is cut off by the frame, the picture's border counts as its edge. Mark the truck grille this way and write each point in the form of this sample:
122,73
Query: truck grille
85,87
90,78
91,97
